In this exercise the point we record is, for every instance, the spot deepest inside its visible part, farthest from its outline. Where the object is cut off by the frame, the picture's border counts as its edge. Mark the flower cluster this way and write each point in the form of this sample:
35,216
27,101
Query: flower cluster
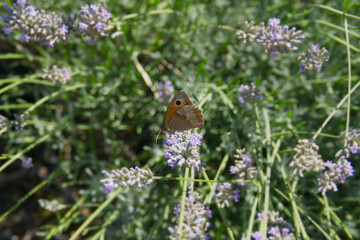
94,20
19,122
314,58
182,150
306,158
52,206
225,195
57,75
279,228
133,178
274,38
250,32
249,94
195,219
27,162
244,167
50,29
353,142
166,89
335,173
35,25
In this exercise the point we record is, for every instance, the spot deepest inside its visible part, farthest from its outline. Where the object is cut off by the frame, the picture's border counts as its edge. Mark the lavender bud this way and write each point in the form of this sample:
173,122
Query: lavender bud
57,75
195,219
249,94
52,206
225,195
133,178
244,167
182,150
27,162
314,58
306,158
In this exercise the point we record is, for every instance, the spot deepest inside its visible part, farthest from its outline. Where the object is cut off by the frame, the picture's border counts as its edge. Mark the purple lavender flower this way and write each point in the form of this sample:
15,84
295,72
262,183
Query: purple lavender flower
352,144
195,223
274,230
34,25
249,94
257,235
182,150
27,162
336,173
260,216
314,58
133,178
225,195
94,20
244,167
57,75
166,89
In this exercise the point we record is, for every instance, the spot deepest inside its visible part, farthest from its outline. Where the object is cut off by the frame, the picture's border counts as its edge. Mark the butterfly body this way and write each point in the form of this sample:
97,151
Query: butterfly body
182,114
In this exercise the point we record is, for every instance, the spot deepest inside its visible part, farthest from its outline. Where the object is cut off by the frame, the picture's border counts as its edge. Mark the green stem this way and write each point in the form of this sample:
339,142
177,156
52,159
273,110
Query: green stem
349,80
30,193
94,214
22,152
183,199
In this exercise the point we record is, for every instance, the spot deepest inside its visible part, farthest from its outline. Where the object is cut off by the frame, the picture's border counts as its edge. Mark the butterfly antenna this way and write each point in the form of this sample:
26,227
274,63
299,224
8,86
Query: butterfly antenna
158,135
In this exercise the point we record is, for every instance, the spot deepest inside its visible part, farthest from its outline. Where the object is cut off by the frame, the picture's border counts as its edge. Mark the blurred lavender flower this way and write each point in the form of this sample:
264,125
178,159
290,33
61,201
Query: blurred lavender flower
225,195
57,75
249,94
19,122
279,39
314,58
353,142
182,150
244,167
94,20
35,25
274,38
334,174
166,89
27,162
256,235
52,206
195,223
133,178
250,32
306,158
260,216
284,234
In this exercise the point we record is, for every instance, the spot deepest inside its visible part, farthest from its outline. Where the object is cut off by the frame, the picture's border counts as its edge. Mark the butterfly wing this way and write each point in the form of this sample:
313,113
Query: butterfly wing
186,118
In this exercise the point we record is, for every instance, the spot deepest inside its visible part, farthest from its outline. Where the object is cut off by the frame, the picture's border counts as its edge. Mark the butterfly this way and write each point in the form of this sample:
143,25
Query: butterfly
182,114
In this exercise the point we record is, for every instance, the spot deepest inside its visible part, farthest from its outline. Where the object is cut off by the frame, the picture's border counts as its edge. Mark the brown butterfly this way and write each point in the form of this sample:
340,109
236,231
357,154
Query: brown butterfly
182,114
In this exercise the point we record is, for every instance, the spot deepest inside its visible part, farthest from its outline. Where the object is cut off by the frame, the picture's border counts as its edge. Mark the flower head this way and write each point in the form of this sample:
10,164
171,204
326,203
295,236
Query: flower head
35,25
19,122
306,158
52,206
57,75
94,20
249,93
260,216
225,195
314,58
133,178
335,173
182,150
27,162
244,168
195,219
256,235
249,33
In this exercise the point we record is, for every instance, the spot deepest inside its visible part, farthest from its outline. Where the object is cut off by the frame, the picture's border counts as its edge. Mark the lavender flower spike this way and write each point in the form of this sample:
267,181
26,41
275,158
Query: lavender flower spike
314,58
57,75
249,94
244,168
133,178
225,195
182,150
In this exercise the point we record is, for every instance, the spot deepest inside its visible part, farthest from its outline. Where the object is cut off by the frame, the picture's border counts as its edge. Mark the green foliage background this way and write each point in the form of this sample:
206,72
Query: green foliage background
113,120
